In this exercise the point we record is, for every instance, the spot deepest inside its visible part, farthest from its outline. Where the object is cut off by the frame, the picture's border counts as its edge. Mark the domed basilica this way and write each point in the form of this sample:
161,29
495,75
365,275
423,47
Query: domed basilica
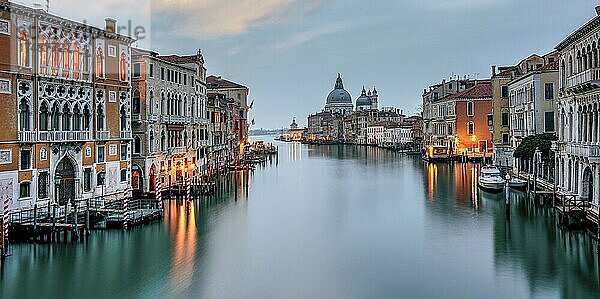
339,100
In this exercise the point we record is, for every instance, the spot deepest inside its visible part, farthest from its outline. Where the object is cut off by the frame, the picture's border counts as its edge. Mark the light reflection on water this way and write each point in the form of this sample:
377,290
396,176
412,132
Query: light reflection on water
325,222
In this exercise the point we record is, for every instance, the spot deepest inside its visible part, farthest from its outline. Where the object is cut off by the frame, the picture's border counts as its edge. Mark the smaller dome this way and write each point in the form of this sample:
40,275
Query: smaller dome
363,100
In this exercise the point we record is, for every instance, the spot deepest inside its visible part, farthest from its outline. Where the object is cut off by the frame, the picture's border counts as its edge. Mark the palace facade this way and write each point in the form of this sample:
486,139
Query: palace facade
65,93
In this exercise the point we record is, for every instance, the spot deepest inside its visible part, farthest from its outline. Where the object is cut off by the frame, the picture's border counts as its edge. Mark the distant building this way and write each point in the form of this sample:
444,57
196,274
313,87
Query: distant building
501,77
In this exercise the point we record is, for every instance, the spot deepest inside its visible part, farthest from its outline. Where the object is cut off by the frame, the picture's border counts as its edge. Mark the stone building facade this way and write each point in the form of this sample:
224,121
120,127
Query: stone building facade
170,124
578,146
65,91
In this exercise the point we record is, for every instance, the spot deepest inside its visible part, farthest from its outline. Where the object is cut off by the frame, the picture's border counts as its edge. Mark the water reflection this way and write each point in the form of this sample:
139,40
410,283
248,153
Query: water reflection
326,222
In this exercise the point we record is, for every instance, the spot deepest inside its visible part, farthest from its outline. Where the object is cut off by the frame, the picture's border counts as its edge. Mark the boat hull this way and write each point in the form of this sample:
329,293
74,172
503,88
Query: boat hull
491,186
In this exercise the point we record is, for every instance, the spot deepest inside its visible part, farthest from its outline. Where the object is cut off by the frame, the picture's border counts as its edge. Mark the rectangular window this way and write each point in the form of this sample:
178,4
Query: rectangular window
87,179
504,91
4,27
505,138
470,109
151,71
5,86
25,190
505,119
100,154
136,70
185,79
43,185
25,159
549,91
123,152
549,121
162,73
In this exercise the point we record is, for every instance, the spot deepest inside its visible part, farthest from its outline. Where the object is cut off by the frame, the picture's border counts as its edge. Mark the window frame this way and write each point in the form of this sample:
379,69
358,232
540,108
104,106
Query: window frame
30,166
100,158
28,196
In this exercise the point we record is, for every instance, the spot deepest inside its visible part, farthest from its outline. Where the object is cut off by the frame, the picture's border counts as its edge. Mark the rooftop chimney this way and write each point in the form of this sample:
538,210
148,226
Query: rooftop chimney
598,10
111,25
493,70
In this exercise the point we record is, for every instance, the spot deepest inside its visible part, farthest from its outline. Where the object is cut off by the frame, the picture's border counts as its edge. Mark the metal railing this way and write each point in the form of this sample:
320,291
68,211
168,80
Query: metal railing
103,135
126,135
33,136
584,150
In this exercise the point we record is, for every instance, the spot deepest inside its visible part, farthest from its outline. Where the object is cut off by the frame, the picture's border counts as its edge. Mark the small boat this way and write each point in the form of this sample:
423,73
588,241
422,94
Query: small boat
491,179
517,184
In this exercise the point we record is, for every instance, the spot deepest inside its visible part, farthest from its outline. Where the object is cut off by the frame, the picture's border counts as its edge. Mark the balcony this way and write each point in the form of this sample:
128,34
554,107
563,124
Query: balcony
590,151
53,136
126,135
164,118
178,150
583,81
177,119
103,135
203,143
153,117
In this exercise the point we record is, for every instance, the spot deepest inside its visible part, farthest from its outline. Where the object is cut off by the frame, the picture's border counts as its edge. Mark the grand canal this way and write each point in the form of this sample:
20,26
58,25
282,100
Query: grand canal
325,222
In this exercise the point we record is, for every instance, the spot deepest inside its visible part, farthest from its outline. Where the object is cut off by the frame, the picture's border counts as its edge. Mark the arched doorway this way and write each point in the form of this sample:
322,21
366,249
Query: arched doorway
152,182
588,185
66,189
136,179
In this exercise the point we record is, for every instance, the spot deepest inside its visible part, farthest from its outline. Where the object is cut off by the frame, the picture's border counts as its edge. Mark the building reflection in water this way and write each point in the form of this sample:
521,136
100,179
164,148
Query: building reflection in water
294,151
184,234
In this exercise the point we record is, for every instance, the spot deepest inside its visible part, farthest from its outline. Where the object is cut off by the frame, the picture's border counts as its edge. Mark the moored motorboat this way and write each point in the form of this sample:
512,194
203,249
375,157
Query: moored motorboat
517,184
491,179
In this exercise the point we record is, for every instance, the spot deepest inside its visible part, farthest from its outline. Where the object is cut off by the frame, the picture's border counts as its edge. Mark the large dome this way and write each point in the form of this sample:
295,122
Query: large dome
339,95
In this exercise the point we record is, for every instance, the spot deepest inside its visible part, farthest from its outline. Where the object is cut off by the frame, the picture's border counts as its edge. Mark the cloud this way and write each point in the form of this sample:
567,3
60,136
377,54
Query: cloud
301,38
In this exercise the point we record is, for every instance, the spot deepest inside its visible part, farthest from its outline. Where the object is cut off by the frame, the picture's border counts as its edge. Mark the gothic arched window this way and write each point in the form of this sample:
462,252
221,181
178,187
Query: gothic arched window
43,55
66,59
24,48
151,102
137,145
123,114
136,102
44,117
86,118
55,117
76,65
76,118
99,63
151,141
163,141
100,118
24,113
66,118
55,57
470,128
123,65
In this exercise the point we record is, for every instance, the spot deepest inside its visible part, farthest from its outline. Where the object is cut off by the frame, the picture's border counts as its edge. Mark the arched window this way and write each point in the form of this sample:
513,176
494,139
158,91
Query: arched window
76,62
99,63
55,117
137,145
123,117
24,48
185,139
163,142
44,117
100,118
24,113
123,175
162,103
151,102
43,55
86,60
66,118
470,110
136,102
86,118
470,128
570,65
55,57
66,59
100,178
123,65
152,141
76,118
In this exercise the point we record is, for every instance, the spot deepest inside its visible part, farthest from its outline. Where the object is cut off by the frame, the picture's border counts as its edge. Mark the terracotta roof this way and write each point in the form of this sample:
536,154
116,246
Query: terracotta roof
385,123
483,89
214,82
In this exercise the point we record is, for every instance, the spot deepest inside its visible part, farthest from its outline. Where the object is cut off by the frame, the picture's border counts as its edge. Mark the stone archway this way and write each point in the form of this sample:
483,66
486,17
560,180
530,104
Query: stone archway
587,192
152,178
66,189
137,181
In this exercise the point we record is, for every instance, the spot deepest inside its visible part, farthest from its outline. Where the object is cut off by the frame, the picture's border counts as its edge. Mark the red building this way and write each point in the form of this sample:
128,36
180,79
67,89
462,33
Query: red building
473,111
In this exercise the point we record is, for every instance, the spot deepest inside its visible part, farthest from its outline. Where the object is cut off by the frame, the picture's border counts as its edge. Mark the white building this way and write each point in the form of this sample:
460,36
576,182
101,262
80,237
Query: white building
578,147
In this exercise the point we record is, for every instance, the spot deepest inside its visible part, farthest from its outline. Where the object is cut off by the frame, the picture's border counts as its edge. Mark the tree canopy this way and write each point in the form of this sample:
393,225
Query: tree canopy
541,141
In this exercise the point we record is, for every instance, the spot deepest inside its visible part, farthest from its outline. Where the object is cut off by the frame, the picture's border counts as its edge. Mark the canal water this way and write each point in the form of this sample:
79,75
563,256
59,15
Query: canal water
325,222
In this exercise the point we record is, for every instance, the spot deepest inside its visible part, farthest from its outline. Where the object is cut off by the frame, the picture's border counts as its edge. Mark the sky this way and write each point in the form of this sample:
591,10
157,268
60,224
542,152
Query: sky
289,52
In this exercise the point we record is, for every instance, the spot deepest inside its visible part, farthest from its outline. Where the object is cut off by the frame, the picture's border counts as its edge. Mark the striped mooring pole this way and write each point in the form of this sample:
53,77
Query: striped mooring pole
159,192
5,224
126,208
